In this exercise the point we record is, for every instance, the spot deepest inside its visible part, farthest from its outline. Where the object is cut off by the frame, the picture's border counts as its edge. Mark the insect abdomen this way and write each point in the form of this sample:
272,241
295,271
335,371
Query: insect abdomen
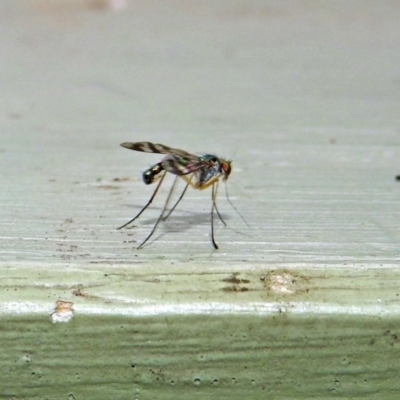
150,174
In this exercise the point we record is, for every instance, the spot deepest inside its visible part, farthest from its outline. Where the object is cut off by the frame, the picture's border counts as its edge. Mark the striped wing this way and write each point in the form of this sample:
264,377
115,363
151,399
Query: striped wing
179,165
148,147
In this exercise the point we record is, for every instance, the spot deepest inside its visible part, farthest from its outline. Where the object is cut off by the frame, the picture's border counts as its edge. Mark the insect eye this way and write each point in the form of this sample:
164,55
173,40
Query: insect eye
226,167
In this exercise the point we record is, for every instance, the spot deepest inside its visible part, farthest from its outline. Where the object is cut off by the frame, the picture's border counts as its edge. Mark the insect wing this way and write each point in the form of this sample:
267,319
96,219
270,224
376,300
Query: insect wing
148,147
181,165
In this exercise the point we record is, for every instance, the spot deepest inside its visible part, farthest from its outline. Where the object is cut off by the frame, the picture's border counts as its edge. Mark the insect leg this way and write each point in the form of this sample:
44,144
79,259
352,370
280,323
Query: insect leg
229,200
212,217
180,198
215,204
161,214
148,203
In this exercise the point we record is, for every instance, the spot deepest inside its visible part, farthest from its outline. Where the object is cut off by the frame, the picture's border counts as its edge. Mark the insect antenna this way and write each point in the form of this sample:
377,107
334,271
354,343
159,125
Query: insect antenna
229,200
161,214
148,203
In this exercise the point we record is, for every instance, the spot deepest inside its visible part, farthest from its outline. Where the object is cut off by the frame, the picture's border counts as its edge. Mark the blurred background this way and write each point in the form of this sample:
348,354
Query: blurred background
202,66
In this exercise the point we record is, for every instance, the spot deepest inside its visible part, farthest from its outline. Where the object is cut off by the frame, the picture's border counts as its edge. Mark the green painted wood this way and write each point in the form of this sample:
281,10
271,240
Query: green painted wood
213,357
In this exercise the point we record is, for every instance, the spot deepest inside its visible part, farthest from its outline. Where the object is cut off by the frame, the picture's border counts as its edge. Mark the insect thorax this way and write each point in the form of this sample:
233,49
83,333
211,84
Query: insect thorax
213,170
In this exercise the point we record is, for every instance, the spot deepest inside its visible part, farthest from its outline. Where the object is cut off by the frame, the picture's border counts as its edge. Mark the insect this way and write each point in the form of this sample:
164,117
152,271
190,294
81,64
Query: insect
199,172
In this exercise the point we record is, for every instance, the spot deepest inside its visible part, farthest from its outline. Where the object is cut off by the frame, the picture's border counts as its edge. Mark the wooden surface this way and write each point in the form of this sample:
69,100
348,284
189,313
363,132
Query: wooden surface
303,96
169,357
